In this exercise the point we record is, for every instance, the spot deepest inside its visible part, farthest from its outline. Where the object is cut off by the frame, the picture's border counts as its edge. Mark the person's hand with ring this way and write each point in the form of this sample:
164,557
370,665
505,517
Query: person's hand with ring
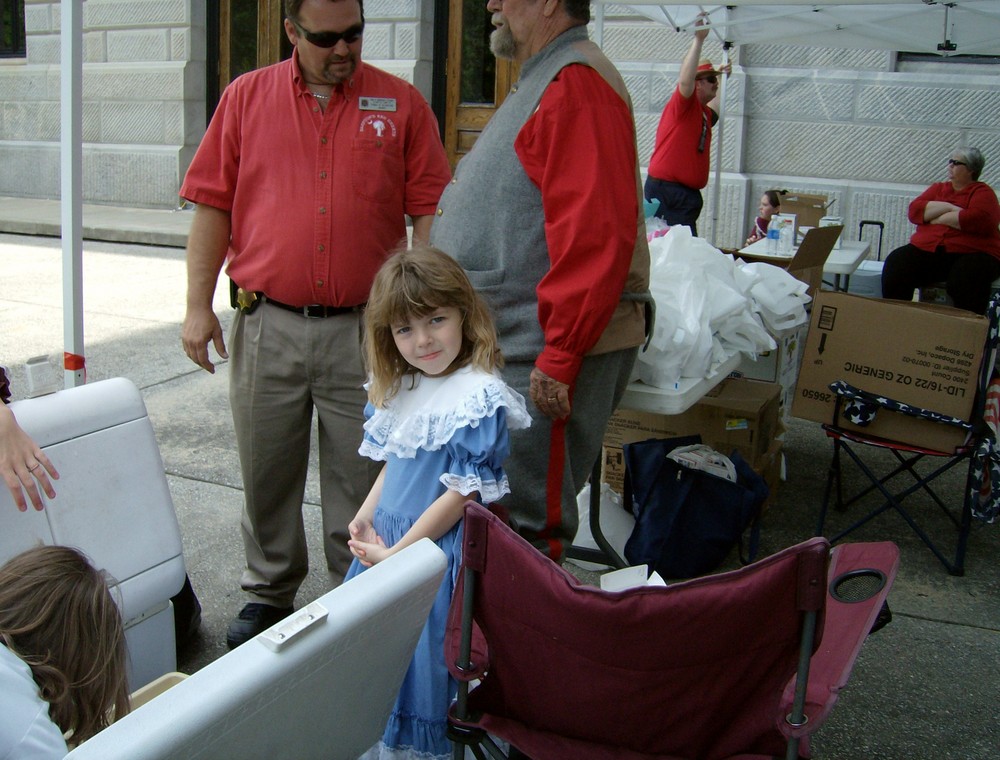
22,463
549,395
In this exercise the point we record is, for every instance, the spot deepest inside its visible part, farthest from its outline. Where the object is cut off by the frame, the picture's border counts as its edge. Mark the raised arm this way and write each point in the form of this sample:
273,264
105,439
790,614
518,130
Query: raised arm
689,66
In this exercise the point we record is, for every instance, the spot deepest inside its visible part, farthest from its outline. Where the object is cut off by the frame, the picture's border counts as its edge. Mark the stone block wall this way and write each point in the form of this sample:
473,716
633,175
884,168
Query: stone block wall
143,101
857,125
144,84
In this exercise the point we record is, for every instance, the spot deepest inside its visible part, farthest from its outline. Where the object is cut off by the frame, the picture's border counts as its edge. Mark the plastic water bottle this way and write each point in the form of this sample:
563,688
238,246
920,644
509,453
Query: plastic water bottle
785,241
773,235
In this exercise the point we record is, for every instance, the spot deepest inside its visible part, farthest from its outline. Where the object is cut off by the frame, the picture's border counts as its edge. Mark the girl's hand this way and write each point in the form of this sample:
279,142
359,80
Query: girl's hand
362,530
369,553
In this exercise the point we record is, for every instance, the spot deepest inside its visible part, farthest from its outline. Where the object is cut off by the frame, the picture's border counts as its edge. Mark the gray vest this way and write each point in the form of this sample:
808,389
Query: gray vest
490,217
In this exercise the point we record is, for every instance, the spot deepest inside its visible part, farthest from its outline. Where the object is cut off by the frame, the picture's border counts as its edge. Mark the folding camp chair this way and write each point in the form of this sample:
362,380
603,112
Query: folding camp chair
978,452
746,663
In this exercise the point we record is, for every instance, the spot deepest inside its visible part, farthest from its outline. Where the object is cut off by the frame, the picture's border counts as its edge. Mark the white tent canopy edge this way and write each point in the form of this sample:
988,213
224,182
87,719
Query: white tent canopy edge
970,27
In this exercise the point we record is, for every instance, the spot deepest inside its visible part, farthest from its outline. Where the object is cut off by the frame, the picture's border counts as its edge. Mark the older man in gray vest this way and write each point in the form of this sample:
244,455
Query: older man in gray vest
545,215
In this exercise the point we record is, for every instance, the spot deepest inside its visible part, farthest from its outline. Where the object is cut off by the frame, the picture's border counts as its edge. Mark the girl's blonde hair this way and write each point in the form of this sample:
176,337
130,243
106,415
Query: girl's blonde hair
412,284
57,615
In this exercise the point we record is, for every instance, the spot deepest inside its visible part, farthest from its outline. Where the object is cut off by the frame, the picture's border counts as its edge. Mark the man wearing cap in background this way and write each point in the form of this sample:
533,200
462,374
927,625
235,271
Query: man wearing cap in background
678,169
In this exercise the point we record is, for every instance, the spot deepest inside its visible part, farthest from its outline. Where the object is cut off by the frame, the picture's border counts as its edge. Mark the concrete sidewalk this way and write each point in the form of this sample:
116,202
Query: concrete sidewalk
166,227
927,686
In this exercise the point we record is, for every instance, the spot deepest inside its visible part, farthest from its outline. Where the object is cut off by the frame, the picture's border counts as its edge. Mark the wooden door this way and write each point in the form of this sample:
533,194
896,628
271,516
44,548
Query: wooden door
251,35
477,82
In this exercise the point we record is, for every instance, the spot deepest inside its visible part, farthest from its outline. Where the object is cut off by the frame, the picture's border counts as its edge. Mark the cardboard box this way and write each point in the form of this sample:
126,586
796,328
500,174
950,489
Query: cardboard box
808,208
921,354
809,259
779,366
736,414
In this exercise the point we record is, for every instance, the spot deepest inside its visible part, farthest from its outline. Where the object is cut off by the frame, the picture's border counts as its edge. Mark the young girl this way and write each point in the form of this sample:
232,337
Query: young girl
770,204
438,415
62,653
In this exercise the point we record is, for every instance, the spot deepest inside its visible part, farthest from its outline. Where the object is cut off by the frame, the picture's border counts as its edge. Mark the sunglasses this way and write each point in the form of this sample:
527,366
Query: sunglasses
954,162
330,39
711,80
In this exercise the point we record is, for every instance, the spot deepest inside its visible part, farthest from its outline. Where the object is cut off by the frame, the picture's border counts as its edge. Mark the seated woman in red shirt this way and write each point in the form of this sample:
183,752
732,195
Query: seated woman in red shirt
957,240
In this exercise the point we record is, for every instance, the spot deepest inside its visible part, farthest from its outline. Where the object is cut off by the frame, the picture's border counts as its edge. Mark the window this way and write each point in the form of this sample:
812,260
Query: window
12,29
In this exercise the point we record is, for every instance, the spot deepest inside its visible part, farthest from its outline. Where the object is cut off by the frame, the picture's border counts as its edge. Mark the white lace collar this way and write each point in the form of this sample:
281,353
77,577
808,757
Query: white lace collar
427,416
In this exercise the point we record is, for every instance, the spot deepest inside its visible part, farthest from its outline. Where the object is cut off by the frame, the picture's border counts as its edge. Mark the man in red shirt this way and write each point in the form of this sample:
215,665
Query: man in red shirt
678,169
303,183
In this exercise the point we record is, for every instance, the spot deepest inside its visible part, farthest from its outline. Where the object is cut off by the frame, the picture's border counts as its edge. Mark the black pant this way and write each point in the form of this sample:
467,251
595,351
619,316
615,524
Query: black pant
968,277
678,204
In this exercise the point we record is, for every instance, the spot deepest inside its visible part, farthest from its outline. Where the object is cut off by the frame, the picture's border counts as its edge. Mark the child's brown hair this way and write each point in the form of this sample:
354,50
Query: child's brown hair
58,616
411,284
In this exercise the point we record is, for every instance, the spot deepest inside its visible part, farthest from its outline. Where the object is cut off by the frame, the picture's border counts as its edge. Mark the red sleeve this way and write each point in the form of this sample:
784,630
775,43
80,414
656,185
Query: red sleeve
579,149
211,177
918,204
427,169
983,214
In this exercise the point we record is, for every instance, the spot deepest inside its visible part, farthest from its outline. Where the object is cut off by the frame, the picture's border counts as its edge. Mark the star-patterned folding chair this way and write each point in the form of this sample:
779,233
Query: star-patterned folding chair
919,468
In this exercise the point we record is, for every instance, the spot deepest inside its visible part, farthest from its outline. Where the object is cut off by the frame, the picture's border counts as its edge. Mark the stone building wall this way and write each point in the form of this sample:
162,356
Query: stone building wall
855,125
144,85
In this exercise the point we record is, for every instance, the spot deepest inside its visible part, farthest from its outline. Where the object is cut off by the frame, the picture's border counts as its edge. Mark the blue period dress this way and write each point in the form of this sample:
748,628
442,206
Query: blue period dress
442,433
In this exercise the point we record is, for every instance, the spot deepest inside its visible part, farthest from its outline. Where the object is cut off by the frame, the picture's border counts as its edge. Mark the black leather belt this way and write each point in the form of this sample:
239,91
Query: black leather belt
313,311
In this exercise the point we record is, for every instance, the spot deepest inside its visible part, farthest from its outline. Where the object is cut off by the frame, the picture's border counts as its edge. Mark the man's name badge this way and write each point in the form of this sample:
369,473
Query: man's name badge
377,104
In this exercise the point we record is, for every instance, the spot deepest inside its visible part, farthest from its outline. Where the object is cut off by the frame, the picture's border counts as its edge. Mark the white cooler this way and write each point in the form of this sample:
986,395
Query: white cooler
866,280
112,503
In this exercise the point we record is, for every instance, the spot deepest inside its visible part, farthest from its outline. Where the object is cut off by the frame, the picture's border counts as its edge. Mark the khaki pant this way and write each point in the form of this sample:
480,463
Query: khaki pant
282,366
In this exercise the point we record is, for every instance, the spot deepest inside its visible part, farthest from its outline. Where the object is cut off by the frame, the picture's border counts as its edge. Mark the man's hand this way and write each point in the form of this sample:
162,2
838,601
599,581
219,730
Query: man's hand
699,22
200,327
550,396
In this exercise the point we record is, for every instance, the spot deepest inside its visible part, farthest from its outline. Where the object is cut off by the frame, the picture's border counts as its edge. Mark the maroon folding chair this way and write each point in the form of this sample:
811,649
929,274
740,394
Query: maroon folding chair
743,664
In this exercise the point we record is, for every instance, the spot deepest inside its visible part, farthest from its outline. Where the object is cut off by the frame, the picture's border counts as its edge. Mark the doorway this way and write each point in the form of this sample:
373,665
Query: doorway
246,36
476,82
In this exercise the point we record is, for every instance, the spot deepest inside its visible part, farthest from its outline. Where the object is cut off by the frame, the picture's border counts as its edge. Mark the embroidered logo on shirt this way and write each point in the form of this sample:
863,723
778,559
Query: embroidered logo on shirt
377,104
378,124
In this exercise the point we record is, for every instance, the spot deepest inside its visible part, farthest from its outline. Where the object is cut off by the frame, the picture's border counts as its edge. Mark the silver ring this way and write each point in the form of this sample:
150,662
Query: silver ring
37,465
553,398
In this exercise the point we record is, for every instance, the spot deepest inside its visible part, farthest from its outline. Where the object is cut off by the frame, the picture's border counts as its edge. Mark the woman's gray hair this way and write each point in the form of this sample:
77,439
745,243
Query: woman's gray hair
973,159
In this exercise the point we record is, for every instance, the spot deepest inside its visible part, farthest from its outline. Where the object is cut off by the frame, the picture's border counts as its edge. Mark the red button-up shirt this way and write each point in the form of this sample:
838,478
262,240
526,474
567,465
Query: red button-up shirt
317,197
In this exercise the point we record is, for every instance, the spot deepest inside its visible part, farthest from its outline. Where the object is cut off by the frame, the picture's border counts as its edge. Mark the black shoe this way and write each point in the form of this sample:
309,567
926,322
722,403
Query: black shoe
253,619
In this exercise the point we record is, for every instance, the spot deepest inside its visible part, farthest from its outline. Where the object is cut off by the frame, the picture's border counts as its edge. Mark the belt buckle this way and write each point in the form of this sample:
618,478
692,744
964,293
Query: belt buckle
247,300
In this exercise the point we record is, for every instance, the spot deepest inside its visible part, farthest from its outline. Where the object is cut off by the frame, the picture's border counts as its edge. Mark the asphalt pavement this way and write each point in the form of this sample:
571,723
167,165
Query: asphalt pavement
927,686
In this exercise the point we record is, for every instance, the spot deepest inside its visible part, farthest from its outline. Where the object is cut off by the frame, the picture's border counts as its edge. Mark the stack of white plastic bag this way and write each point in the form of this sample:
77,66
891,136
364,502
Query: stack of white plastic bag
710,306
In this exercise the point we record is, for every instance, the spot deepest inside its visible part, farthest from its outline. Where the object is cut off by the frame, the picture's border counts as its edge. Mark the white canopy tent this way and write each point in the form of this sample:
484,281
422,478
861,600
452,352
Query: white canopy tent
956,27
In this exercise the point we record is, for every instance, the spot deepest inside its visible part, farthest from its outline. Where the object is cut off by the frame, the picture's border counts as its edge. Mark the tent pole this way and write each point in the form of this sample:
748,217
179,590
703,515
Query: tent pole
71,204
717,145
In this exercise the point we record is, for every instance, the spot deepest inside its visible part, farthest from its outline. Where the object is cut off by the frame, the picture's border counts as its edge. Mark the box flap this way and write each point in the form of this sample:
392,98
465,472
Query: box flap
808,261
